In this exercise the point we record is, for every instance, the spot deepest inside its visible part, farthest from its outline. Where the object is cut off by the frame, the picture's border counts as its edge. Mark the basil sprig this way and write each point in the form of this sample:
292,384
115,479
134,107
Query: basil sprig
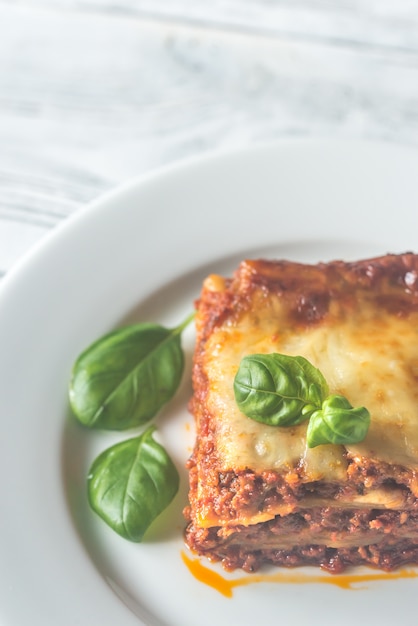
122,380
281,390
131,483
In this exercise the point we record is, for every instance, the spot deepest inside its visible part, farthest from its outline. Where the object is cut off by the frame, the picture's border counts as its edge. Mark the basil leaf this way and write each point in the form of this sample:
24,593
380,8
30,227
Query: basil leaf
277,389
337,422
281,390
131,483
123,379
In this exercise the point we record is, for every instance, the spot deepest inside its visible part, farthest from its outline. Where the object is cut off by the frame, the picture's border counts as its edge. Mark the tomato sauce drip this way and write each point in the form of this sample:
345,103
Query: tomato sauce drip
344,581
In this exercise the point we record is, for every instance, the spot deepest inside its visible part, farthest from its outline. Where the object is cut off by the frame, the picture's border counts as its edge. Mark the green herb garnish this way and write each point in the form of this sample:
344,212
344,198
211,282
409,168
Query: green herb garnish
131,483
122,380
281,390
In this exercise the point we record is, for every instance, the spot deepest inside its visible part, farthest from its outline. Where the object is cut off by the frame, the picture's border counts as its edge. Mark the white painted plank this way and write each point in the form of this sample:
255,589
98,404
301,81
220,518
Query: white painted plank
349,22
91,98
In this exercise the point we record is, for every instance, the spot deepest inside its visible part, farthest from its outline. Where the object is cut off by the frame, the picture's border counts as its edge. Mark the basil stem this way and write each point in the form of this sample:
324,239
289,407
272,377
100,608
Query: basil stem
281,390
123,379
131,483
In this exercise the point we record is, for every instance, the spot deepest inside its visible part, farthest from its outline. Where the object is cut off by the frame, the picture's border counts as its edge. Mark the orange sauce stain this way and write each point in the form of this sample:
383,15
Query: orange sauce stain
344,581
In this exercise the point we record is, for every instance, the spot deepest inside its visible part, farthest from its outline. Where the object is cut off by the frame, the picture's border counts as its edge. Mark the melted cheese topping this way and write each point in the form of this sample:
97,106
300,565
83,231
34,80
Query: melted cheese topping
369,356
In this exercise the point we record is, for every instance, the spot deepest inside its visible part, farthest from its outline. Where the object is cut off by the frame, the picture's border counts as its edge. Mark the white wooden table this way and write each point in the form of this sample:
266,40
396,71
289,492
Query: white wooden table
93,92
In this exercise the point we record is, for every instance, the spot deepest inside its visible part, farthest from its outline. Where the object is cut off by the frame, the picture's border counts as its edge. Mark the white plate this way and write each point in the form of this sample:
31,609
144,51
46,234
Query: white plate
141,253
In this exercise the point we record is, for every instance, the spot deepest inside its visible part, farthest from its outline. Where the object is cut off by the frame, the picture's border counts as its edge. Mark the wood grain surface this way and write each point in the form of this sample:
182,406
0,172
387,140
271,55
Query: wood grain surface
94,92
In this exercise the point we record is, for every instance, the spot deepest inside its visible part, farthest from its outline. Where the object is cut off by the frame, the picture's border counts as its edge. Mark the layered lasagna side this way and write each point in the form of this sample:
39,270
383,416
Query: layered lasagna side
258,493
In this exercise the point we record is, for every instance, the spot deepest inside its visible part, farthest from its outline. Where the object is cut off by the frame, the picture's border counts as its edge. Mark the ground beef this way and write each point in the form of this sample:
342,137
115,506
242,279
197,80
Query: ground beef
395,540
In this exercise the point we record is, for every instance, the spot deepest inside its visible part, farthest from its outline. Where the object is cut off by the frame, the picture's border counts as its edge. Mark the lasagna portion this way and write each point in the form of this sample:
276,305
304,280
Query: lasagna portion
258,493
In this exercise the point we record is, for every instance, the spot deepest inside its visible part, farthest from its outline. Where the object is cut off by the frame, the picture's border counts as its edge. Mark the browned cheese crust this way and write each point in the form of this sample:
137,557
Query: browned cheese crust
285,514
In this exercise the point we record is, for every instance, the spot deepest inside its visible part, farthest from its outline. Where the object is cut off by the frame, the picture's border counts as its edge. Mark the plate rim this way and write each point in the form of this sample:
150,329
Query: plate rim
93,210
